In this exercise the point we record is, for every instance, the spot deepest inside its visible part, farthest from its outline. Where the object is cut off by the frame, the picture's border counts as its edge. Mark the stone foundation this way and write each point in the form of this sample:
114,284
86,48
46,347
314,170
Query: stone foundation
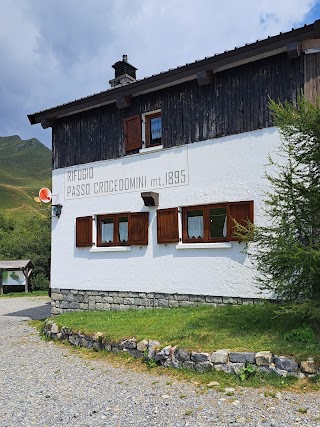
67,300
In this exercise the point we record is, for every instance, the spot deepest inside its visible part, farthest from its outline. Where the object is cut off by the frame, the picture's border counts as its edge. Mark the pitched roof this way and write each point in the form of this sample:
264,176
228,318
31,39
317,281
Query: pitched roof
16,265
228,59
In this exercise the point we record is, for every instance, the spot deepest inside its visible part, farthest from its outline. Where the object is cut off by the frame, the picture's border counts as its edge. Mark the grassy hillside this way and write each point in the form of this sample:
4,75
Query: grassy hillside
25,167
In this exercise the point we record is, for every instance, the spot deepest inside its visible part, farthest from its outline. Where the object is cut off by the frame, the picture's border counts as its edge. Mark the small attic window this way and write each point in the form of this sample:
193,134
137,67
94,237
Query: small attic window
153,129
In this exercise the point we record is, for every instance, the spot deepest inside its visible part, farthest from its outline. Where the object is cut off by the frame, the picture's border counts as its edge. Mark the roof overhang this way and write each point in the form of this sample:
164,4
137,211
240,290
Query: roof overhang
16,265
217,63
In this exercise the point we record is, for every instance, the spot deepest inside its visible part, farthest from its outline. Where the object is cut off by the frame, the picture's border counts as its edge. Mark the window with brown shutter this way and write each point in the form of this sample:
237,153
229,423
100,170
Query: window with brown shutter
84,231
122,229
138,228
215,222
132,133
167,225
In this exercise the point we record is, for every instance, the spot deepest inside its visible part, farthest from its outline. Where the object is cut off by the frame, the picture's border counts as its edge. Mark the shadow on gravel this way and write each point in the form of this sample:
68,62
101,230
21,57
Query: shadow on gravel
34,313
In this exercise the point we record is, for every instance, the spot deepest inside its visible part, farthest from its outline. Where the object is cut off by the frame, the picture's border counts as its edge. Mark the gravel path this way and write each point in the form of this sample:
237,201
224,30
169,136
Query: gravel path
43,384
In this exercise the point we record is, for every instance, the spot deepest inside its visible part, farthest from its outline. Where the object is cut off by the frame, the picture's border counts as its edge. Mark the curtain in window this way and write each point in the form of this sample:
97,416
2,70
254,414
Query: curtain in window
224,231
123,231
156,128
107,232
195,227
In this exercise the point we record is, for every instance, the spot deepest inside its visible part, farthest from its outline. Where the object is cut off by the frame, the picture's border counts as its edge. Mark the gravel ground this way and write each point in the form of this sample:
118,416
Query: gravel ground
43,384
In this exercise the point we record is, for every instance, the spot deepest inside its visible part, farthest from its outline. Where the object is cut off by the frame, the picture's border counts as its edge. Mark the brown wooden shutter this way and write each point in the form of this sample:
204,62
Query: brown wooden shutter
240,212
138,228
132,133
84,231
167,225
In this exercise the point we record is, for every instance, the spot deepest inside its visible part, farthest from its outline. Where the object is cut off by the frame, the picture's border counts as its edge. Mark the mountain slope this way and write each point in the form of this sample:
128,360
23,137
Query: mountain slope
25,167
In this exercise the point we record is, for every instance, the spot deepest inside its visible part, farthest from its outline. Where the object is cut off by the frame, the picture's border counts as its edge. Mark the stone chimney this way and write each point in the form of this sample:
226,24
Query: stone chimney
125,73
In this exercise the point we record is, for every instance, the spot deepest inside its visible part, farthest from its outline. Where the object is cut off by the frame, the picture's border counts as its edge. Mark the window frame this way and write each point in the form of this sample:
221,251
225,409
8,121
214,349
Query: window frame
147,128
135,219
206,221
116,241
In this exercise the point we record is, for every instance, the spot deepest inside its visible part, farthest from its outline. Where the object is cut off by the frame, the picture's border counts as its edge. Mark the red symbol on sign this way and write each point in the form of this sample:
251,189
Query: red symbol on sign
45,195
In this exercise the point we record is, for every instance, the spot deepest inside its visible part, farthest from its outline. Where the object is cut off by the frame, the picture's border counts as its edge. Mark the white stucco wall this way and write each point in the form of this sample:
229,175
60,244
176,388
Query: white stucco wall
218,170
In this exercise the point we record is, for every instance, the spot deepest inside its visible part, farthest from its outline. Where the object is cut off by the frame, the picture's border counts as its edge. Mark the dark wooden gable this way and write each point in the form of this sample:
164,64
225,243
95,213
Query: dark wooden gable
235,101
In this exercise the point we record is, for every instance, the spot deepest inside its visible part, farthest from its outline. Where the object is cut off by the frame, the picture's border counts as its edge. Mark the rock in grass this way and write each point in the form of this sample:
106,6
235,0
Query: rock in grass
264,358
199,357
242,357
152,348
285,363
219,357
142,345
213,384
203,366
308,366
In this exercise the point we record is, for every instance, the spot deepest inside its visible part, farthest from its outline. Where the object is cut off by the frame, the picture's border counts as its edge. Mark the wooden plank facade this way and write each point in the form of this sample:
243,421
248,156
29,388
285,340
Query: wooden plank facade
235,101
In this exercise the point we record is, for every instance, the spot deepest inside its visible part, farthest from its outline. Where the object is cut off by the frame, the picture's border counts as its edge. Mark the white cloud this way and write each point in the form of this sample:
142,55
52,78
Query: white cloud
55,51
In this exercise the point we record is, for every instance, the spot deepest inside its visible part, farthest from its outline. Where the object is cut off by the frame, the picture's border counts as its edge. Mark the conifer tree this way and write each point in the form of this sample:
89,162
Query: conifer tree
287,251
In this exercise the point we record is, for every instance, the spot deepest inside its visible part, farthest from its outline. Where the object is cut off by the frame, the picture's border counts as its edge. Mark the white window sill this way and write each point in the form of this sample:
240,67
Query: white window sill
217,245
111,249
150,149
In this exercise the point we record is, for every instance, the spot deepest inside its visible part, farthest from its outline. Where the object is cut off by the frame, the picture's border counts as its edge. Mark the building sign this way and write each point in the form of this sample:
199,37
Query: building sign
143,172
13,278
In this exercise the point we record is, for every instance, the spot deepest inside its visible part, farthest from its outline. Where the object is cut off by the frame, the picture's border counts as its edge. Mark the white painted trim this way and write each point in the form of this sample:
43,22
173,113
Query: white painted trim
150,149
217,245
145,149
312,50
111,249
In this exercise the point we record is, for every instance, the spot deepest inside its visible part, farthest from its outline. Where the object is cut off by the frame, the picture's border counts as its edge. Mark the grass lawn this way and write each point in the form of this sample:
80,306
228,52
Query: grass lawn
24,294
203,328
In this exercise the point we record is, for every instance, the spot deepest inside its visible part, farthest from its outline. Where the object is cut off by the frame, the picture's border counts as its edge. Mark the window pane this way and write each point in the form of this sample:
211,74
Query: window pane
155,130
218,222
195,224
123,229
107,230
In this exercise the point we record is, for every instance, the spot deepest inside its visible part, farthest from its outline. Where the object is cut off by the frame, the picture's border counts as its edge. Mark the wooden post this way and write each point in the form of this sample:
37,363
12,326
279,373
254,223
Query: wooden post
27,278
25,272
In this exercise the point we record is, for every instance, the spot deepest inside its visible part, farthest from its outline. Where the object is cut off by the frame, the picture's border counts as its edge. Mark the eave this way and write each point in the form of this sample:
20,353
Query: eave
229,59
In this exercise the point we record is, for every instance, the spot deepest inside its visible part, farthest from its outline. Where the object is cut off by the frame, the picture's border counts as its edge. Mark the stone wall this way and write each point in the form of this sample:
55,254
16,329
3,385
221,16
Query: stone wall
171,356
67,300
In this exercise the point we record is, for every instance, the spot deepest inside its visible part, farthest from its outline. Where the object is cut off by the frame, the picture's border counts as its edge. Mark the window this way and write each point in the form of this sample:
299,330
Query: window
122,229
113,230
153,129
214,223
147,128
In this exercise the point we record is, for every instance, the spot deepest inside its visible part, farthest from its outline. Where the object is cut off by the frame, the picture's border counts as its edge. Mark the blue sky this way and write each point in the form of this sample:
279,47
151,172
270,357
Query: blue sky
55,51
